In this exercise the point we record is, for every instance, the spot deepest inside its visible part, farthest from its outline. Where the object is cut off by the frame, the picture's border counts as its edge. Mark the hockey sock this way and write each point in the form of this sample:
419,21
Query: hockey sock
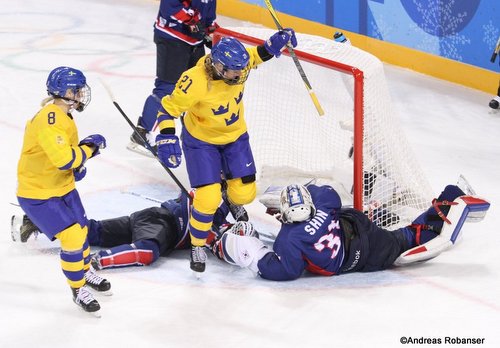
86,255
140,253
72,267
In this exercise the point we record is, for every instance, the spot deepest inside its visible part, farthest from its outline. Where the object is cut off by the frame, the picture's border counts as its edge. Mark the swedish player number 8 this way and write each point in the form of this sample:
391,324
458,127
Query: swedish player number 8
51,117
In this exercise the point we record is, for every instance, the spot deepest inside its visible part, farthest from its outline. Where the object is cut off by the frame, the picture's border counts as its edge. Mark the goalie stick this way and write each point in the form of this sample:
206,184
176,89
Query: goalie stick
302,73
146,142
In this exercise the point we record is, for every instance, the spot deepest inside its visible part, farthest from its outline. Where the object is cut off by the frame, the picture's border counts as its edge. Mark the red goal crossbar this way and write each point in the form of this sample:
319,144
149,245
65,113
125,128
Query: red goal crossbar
358,103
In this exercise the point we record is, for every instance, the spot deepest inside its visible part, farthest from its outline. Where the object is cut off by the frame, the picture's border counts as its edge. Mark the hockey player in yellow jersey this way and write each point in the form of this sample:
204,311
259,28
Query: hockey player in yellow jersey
52,159
214,136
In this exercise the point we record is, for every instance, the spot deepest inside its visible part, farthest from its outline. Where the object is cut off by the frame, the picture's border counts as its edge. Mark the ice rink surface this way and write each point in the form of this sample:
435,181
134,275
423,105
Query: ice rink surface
449,127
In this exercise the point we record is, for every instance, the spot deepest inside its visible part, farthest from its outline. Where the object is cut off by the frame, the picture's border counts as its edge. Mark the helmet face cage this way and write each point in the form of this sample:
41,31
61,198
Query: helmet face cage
232,57
243,228
64,79
296,204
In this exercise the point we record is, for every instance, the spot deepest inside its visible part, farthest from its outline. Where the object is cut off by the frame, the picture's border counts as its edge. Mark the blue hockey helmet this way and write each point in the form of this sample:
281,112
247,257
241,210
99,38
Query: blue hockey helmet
64,78
230,61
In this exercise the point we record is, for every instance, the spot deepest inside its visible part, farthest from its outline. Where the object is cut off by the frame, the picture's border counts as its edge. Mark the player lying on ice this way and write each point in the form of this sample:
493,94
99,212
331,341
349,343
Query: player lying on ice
319,235
139,239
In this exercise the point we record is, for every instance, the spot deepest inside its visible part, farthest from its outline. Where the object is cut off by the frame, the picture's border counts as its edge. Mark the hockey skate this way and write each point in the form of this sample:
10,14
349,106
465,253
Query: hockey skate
137,144
95,261
97,283
454,214
84,299
495,103
21,228
198,260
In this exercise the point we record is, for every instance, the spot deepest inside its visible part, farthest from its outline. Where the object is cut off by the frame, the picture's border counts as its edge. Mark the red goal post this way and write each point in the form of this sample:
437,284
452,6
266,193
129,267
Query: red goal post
355,117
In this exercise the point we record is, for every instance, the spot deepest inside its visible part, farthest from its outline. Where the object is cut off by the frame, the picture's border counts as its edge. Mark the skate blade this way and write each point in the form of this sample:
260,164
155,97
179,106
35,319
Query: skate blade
103,293
15,228
197,275
141,150
96,314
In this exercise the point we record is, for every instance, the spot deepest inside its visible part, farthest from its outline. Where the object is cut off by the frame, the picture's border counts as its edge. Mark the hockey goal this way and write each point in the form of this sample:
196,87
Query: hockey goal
357,146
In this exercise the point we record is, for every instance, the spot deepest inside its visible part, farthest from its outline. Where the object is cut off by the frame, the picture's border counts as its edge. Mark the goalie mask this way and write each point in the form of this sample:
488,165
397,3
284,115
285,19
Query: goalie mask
296,204
70,85
230,61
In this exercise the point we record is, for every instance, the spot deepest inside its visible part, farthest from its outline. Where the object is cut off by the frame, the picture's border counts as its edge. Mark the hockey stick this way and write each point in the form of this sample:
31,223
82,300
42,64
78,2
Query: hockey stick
268,236
495,52
146,142
302,73
142,196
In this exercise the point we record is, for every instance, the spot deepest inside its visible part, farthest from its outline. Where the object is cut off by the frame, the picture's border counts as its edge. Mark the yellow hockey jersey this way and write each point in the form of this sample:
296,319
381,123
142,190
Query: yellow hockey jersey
214,109
49,154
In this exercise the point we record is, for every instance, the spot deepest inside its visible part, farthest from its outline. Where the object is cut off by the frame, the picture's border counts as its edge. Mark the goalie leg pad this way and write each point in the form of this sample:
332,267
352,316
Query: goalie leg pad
457,215
240,251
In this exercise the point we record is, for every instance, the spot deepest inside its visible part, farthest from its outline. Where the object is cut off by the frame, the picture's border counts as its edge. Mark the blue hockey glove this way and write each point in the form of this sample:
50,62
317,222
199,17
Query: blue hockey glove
277,42
96,141
79,173
169,150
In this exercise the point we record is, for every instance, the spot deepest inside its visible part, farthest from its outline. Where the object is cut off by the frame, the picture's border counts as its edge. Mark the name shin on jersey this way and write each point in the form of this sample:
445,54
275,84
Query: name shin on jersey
317,221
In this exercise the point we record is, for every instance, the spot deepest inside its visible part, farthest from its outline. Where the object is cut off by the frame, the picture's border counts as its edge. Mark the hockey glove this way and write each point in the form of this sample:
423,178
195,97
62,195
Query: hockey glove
209,34
79,173
277,42
169,150
197,31
194,17
96,142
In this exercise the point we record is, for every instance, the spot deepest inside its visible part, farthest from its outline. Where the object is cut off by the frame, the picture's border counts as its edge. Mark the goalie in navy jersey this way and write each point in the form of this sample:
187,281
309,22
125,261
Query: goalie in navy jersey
322,237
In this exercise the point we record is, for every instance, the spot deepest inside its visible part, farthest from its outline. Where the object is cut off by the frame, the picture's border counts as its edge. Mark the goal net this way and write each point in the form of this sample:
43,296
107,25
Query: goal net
357,147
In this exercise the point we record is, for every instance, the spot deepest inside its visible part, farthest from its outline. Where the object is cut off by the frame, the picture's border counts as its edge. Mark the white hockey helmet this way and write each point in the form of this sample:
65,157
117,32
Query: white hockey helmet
296,204
244,228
